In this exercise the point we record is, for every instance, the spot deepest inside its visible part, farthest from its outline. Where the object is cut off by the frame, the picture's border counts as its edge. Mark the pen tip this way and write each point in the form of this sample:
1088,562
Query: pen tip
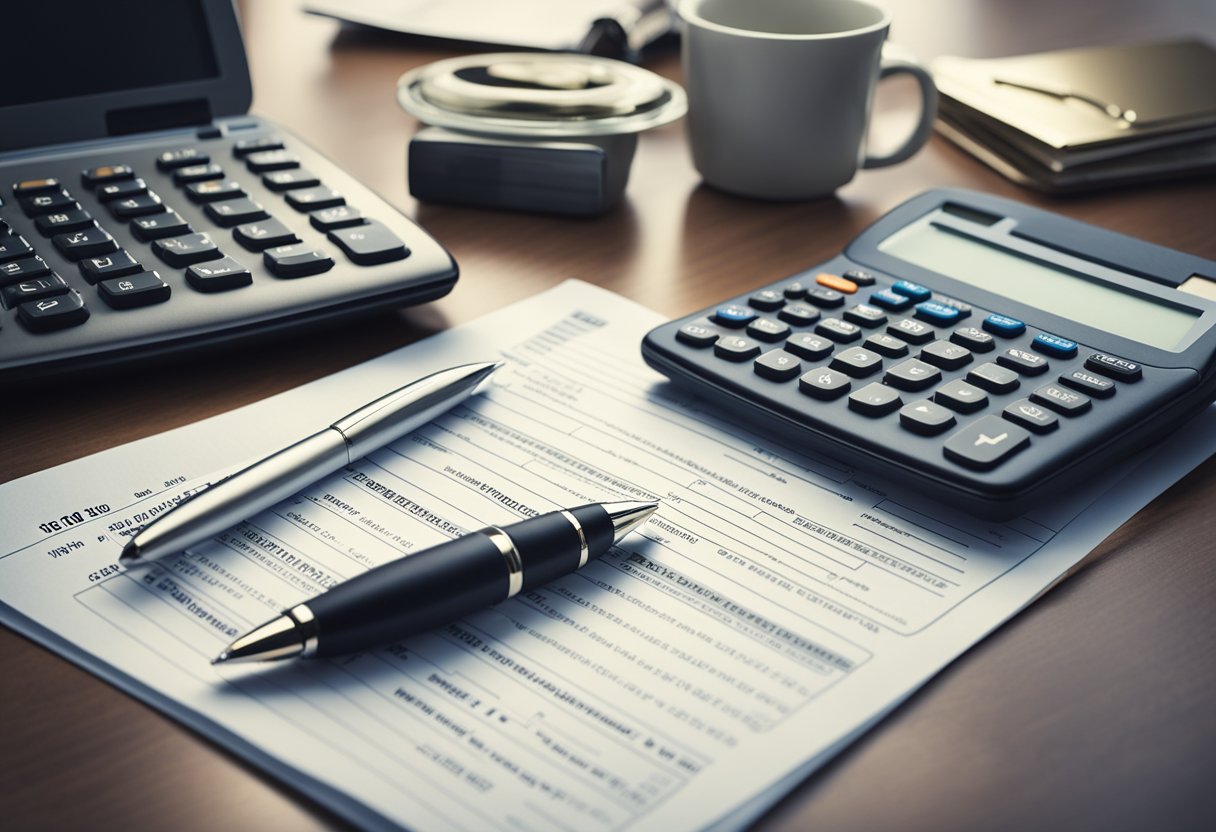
130,554
221,658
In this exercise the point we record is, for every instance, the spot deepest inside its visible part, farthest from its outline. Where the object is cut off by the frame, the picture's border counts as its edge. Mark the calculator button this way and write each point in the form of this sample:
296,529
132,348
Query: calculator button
766,300
1029,415
58,312
137,206
986,443
866,315
232,212
297,261
795,290
15,270
118,264
13,246
825,384
826,298
263,234
106,173
924,417
811,347
48,203
912,375
287,180
860,277
174,159
246,146
369,244
799,314
1119,369
218,275
857,362
1054,345
186,250
911,290
1004,326
1024,362
994,378
734,316
840,331
936,313
33,289
88,242
214,190
142,289
696,335
766,329
1061,400
875,400
946,355
58,223
973,339
1099,388
736,348
912,331
267,160
960,396
159,226
340,216
888,299
840,284
963,309
310,199
197,173
121,189
777,365
34,186
888,345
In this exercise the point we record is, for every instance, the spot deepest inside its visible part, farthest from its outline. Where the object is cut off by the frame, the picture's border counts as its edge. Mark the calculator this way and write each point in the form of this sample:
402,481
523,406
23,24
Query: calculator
144,213
983,352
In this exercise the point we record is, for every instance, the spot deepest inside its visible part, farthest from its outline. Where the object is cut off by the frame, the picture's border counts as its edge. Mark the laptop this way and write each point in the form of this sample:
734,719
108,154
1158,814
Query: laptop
144,212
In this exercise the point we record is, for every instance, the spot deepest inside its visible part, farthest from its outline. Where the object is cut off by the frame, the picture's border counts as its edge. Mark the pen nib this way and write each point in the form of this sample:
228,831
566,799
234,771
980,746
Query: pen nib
627,516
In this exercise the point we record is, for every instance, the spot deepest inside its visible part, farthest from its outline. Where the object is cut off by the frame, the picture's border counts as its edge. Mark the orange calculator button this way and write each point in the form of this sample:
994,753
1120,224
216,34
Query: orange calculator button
840,284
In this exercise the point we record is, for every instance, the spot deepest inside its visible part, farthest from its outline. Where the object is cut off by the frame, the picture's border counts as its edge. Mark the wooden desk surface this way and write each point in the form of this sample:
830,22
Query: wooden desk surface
1092,709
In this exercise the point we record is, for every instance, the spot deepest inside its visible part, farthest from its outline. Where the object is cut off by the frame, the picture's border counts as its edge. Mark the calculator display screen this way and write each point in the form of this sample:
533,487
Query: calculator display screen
68,48
1018,277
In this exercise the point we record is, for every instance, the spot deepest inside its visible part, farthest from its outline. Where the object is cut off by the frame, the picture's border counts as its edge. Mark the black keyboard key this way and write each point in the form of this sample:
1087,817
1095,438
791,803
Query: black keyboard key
799,314
340,216
246,146
1029,415
121,189
34,186
310,199
766,300
840,331
35,288
49,314
142,289
268,160
88,242
106,173
926,418
159,226
875,400
866,315
296,261
811,347
1120,369
946,355
696,335
24,269
289,180
766,329
136,206
795,291
777,365
197,173
232,212
174,159
218,275
186,250
960,396
912,374
736,348
368,244
912,331
824,384
824,297
118,264
264,234
51,202
861,278
74,220
887,345
1099,388
973,338
1061,400
986,443
994,378
1026,363
13,246
214,190
857,362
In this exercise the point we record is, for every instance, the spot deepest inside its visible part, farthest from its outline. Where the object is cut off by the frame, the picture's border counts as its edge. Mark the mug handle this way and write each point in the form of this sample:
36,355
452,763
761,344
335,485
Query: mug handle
928,94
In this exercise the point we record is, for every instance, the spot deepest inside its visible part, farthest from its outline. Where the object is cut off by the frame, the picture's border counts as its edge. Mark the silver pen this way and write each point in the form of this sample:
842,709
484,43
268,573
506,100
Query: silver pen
285,472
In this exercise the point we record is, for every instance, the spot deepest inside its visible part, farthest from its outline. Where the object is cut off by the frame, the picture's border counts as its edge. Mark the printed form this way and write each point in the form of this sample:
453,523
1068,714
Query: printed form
775,606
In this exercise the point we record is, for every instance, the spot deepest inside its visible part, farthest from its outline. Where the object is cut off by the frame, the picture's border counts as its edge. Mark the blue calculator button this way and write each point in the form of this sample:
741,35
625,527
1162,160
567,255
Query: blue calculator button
937,313
912,290
1054,345
1001,325
888,299
734,315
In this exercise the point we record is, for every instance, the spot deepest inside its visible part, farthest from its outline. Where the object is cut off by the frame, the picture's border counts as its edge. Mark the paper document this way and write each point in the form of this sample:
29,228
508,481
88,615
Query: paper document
775,606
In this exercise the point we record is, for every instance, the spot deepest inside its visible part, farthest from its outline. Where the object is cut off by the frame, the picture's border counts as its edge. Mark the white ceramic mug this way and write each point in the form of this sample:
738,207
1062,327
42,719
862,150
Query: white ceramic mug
779,93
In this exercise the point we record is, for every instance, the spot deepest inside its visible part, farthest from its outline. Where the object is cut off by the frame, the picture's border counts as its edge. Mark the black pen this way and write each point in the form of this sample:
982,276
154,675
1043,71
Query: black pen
440,584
